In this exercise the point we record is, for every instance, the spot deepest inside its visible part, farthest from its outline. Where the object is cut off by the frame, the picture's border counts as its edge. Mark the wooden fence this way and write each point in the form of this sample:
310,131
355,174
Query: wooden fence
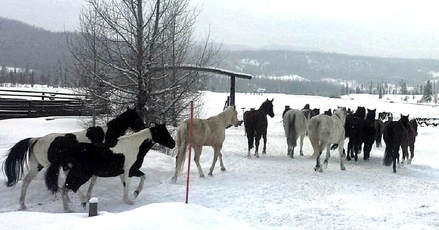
25,103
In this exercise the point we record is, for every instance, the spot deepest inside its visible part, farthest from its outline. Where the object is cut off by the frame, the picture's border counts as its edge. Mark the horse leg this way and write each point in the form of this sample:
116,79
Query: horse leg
140,186
220,155
257,139
405,153
250,138
65,199
328,155
341,155
412,153
197,150
126,184
348,156
90,186
34,168
216,152
301,144
318,167
264,136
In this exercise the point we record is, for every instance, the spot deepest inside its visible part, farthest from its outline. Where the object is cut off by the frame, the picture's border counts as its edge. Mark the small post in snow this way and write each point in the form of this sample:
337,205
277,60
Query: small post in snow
190,150
93,207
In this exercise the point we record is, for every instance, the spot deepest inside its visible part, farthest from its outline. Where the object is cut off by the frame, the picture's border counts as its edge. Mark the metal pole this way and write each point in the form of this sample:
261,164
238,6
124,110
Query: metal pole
232,90
190,150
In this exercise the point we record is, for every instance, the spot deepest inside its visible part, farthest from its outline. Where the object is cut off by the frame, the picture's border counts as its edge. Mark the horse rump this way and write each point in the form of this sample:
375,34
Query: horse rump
13,166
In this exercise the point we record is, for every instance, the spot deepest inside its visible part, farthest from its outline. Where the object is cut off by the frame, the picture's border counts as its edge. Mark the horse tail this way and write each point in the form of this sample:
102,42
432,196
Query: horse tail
293,131
182,142
313,134
13,166
388,158
51,177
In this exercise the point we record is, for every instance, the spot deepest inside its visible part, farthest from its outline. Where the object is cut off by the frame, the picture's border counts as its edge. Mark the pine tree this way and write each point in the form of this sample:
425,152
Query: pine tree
428,92
404,88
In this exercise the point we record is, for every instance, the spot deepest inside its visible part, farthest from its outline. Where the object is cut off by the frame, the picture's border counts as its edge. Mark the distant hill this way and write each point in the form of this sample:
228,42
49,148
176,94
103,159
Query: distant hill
320,65
25,46
288,71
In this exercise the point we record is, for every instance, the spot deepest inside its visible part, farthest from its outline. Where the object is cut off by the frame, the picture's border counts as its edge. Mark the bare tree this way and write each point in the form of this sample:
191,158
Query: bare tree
121,41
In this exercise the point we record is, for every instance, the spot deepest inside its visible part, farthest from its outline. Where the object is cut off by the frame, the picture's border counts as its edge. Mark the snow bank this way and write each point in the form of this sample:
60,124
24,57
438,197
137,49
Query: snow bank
154,216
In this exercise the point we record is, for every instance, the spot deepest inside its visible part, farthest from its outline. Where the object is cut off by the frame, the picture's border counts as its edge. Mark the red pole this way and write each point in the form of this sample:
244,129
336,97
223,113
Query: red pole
190,150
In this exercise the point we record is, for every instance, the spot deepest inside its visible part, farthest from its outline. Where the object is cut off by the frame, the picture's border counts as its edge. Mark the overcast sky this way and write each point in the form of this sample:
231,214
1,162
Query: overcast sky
369,27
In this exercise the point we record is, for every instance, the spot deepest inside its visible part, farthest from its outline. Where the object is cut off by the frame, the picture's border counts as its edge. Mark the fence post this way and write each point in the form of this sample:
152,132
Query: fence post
190,150
93,207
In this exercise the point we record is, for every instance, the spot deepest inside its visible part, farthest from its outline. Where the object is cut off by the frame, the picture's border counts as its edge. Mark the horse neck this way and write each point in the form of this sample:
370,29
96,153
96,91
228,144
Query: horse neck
224,117
132,141
262,109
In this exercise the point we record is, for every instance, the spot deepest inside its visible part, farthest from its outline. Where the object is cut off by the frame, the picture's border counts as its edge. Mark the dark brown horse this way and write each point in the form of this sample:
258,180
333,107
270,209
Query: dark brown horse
255,122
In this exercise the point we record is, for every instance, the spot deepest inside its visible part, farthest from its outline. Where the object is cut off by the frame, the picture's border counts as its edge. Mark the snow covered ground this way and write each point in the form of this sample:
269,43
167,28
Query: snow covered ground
272,192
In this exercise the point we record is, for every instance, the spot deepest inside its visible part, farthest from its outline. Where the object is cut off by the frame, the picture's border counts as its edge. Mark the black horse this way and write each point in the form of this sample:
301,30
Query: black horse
368,133
412,132
328,112
395,134
353,128
379,127
255,122
360,112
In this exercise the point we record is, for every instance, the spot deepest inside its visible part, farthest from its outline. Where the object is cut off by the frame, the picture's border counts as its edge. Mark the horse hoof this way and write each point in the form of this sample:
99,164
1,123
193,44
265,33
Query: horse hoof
22,208
68,210
223,169
301,154
130,202
136,194
84,204
343,168
264,152
202,175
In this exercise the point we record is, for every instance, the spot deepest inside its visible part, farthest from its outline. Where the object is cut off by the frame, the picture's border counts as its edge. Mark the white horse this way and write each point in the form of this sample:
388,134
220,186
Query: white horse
32,152
324,130
295,126
206,132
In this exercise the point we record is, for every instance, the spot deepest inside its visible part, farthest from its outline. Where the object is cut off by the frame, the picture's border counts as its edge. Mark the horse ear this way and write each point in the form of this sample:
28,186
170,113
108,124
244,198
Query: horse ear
272,100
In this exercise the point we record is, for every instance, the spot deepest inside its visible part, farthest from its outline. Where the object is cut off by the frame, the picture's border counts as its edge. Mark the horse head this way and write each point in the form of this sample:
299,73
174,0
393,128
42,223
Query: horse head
371,114
267,107
160,134
404,120
95,134
315,112
232,116
132,119
340,113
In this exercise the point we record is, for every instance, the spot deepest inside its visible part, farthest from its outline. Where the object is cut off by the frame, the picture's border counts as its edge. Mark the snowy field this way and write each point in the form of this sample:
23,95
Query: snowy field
272,192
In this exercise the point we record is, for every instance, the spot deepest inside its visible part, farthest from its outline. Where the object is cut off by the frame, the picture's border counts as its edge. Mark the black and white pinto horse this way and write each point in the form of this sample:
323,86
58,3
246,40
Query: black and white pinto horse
324,130
255,122
33,152
85,160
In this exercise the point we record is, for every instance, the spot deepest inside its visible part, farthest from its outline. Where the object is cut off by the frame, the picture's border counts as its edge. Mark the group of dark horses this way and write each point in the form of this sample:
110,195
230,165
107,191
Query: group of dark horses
362,129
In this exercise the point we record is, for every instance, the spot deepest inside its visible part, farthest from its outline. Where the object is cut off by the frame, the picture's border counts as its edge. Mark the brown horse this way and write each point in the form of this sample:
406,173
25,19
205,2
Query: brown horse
206,132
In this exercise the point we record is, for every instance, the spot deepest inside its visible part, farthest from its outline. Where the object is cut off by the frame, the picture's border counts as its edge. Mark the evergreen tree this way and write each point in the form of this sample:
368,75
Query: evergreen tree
403,88
428,92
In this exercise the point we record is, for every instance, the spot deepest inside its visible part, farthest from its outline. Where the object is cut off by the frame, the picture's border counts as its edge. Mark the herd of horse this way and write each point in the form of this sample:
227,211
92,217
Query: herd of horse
108,151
